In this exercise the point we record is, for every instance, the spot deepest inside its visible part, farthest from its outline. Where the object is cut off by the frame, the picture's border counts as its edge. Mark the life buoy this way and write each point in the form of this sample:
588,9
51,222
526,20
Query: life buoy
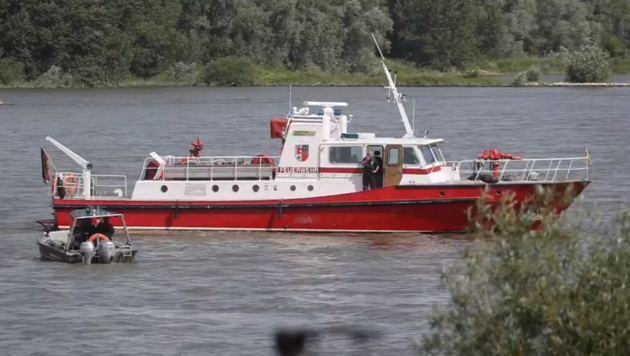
71,182
98,236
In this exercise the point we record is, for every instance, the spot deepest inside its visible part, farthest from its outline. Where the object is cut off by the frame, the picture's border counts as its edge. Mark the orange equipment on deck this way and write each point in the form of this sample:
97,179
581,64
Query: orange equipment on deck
196,149
496,155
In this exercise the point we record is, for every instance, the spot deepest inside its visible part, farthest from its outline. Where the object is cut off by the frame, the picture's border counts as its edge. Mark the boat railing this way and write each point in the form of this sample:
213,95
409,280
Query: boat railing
539,169
212,168
102,185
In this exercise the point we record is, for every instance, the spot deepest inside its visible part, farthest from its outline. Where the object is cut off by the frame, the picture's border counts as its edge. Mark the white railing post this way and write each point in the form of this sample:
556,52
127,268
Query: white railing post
555,173
569,170
504,169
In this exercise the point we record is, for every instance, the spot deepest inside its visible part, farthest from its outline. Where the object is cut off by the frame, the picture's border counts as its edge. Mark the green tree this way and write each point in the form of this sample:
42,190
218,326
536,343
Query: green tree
438,33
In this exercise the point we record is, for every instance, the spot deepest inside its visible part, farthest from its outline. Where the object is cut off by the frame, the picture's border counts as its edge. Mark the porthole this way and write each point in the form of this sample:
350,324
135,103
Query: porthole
292,188
310,188
442,194
235,188
164,189
255,188
215,188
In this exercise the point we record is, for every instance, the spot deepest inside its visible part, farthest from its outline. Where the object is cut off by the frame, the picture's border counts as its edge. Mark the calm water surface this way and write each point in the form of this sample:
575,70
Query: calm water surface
224,293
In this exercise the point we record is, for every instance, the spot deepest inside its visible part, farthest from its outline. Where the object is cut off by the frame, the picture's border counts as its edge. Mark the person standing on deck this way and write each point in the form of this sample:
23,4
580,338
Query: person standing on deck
369,170
378,174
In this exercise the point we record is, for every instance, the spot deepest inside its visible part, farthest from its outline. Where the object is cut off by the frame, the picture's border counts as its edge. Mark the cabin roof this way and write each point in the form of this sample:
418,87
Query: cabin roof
384,141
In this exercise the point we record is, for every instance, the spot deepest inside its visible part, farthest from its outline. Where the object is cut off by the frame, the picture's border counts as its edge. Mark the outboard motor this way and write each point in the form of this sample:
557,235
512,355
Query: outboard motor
106,251
87,250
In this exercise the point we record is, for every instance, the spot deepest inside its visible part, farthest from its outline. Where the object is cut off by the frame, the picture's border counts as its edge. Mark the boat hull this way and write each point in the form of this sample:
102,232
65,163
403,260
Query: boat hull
427,208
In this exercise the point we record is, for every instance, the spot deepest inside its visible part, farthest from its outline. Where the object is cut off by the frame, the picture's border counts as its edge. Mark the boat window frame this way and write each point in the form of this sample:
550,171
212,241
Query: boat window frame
333,146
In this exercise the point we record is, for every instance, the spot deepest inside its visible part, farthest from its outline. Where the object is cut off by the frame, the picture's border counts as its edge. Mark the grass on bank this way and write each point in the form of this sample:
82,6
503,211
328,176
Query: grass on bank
241,72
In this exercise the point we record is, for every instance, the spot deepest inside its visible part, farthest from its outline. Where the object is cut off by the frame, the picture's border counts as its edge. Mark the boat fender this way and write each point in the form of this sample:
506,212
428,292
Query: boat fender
488,178
87,250
106,251
484,177
71,183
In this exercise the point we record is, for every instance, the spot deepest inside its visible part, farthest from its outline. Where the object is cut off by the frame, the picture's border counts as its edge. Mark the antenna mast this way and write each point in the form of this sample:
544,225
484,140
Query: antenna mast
413,117
397,96
289,112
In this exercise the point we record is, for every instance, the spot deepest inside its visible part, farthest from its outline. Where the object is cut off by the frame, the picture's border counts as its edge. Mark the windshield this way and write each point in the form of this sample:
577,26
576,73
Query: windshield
431,154
427,155
437,153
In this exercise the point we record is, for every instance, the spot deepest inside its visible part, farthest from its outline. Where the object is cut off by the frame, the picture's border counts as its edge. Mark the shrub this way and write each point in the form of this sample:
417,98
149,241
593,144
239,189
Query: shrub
54,78
544,292
588,65
519,79
89,77
10,71
475,73
184,74
532,74
231,72
556,61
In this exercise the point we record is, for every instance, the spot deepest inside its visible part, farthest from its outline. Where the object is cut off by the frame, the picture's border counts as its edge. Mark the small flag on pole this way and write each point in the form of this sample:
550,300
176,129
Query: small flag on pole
588,157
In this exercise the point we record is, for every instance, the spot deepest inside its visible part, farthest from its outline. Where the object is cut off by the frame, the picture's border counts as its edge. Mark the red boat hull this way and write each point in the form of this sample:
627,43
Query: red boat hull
428,208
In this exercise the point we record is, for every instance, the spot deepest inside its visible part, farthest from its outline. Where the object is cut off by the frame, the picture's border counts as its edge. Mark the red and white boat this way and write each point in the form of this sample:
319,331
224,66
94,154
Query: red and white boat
316,183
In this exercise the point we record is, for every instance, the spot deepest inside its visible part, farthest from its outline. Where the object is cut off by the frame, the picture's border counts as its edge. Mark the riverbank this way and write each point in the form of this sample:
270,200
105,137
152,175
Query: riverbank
499,73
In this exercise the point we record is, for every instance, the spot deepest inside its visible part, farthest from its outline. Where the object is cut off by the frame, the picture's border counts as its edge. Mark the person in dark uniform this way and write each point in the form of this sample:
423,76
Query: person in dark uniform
369,170
82,232
105,228
378,176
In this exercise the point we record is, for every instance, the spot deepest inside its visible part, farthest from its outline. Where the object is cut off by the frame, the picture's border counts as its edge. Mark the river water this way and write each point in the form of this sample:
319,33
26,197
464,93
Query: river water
224,293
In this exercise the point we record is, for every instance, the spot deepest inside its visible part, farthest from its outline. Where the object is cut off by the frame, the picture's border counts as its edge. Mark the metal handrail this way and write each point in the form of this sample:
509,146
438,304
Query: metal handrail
514,170
96,186
211,162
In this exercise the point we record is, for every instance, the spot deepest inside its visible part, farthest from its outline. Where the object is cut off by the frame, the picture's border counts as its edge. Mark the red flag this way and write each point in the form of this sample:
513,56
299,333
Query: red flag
46,165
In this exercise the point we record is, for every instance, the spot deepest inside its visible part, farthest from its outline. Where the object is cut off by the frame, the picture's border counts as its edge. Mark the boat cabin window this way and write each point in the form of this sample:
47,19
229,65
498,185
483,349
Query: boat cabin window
393,156
409,156
345,154
427,154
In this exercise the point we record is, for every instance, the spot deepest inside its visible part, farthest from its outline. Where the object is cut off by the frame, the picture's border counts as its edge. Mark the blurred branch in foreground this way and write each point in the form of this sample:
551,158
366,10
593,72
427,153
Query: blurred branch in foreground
294,342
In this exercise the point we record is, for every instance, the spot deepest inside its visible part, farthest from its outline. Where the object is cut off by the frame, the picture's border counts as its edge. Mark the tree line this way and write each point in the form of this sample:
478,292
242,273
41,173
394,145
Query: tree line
103,42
